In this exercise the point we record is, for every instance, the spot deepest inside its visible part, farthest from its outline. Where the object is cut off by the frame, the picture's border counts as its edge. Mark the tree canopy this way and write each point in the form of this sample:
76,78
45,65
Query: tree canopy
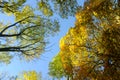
27,34
24,75
91,49
29,75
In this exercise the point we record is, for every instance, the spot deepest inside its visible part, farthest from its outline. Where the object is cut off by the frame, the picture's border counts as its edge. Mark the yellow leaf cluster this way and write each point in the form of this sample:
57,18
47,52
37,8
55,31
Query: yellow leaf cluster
30,75
73,51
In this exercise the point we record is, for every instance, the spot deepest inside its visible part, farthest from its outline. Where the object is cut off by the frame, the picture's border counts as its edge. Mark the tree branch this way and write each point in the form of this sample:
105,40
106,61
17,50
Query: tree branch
17,49
7,35
14,24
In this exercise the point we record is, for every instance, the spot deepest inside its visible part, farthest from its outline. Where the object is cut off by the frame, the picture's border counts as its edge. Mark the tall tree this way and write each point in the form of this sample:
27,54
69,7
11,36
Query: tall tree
29,75
92,47
27,33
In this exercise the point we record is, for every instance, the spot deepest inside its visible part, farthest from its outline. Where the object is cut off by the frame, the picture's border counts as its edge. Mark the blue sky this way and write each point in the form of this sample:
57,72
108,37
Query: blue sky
40,65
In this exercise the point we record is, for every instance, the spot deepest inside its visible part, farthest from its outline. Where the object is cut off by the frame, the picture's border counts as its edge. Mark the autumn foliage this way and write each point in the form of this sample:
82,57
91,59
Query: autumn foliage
91,49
